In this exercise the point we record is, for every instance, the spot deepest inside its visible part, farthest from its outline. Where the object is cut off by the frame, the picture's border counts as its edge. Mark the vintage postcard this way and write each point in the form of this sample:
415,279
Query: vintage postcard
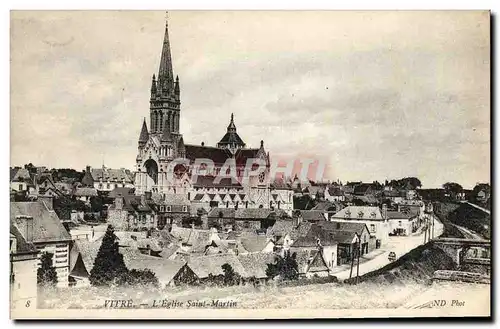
250,164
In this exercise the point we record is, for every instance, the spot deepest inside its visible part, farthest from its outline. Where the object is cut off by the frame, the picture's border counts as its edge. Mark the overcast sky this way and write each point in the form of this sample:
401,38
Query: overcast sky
375,94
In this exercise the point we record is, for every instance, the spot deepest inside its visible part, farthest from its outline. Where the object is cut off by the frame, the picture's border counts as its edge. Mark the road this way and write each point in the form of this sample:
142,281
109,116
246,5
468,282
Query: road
379,258
478,207
468,234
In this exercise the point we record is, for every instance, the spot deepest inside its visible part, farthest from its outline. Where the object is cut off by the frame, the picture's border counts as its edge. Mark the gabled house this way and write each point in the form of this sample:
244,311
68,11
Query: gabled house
20,179
334,193
41,227
310,263
371,216
107,179
23,269
402,223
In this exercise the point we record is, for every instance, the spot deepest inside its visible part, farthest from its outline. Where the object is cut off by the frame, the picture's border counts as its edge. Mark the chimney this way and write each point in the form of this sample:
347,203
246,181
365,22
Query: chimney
29,228
384,211
202,143
87,169
148,195
47,201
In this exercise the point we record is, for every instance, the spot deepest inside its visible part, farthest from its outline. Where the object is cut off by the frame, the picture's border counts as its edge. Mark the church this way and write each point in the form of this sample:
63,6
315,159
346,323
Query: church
163,142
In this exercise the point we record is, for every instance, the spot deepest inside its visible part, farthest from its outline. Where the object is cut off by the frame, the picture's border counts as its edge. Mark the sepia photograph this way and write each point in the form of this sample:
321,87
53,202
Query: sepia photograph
250,164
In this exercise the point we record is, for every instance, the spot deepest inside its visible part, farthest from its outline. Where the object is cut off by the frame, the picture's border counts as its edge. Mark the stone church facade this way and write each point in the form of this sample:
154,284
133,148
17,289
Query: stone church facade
163,143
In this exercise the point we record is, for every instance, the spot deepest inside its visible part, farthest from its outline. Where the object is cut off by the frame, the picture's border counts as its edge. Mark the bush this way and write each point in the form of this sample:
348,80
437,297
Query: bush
284,267
46,273
142,277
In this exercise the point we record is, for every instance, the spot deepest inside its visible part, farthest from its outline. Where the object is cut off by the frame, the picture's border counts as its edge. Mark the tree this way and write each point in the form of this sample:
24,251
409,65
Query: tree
142,277
231,278
452,188
109,266
286,267
46,273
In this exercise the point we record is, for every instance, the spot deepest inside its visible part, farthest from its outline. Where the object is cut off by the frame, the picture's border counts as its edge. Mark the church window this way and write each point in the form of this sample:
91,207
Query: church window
279,204
227,204
246,204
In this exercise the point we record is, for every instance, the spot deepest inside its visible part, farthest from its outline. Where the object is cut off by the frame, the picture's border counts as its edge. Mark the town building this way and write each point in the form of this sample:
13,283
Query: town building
41,226
23,270
402,223
20,179
107,179
375,220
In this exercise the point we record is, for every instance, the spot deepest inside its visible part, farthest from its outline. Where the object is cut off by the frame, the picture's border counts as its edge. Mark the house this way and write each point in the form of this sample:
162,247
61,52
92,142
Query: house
349,236
169,272
41,226
243,219
313,215
130,212
280,234
171,209
348,188
20,179
282,196
194,240
85,193
334,193
253,242
402,223
255,264
371,216
23,269
203,266
319,240
107,179
310,263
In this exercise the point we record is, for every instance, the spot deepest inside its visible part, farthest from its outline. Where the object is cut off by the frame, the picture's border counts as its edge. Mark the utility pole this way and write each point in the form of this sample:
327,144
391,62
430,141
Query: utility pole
352,263
357,270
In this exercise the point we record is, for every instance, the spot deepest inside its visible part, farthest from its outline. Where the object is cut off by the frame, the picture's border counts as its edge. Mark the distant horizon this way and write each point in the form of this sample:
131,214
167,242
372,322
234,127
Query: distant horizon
375,94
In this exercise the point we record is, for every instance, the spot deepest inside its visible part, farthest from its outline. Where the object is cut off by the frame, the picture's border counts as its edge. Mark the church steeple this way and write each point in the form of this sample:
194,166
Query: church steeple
144,136
232,127
165,73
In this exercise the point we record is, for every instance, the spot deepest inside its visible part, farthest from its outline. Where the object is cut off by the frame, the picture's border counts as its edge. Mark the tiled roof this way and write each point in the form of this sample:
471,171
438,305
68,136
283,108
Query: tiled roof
176,199
301,230
217,155
242,155
252,213
164,269
46,224
305,258
343,226
198,240
360,213
85,191
312,215
325,206
255,264
212,264
19,174
226,212
112,175
327,238
335,191
280,228
121,191
254,242
22,246
399,215
210,181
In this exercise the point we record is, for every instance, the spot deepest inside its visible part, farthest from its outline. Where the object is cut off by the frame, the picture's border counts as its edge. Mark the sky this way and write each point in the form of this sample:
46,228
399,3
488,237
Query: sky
375,95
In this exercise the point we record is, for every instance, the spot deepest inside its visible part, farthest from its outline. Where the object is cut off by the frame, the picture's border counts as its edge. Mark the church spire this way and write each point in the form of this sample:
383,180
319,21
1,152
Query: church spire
232,126
165,73
144,136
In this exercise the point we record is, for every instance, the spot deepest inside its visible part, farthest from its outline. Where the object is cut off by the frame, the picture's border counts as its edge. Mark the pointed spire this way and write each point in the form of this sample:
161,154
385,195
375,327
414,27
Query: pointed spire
165,73
144,136
177,89
153,85
232,126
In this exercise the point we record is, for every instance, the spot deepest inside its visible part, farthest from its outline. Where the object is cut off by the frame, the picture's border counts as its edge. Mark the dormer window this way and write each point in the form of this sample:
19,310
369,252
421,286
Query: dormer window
184,208
373,214
348,214
169,208
360,214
